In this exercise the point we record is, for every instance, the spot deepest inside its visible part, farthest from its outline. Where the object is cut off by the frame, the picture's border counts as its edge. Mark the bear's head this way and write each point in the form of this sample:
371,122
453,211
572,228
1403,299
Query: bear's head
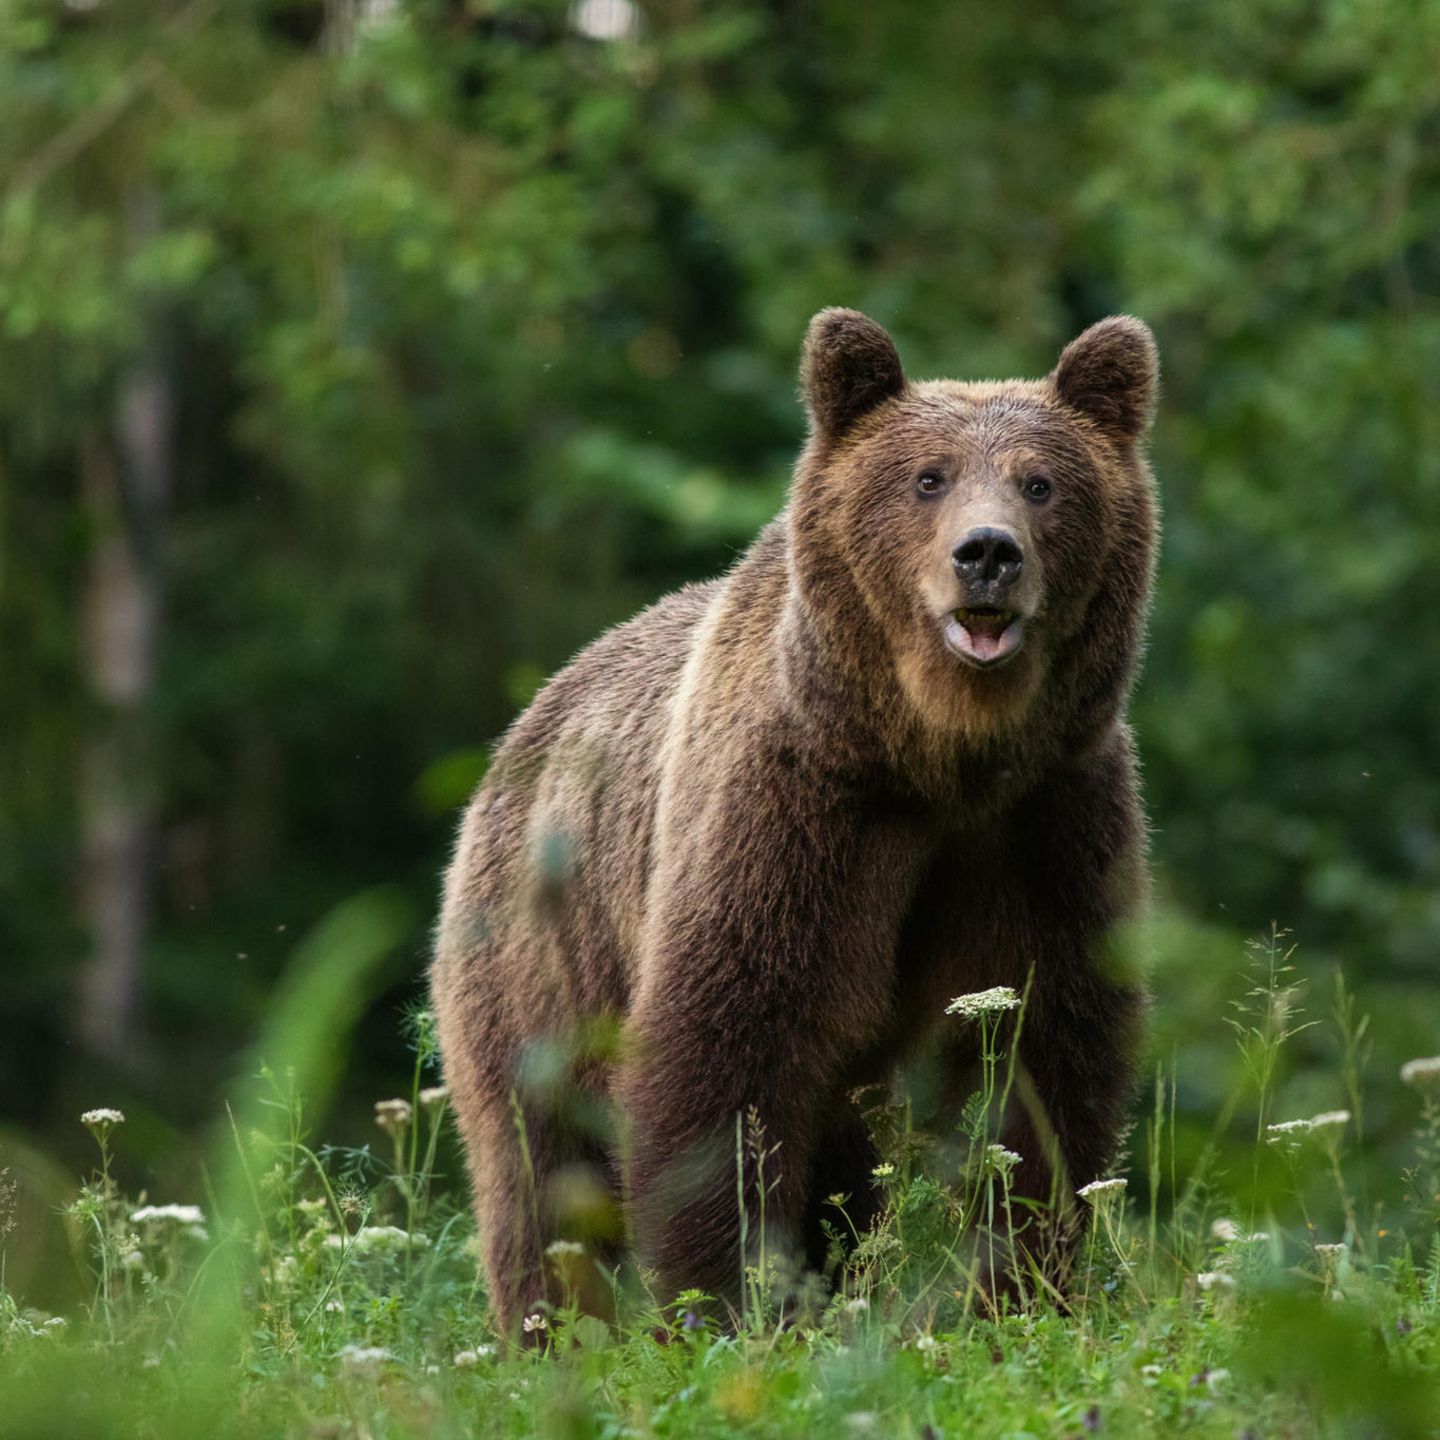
993,541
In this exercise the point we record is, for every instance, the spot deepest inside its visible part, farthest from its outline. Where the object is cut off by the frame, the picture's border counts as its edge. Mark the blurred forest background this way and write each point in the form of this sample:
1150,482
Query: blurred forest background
360,360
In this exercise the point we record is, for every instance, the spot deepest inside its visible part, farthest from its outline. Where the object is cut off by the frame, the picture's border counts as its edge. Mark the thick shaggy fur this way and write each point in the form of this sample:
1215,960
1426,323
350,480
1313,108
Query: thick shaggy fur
773,823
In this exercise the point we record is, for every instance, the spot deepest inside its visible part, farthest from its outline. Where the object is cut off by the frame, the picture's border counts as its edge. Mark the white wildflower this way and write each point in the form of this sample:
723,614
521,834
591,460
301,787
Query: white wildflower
102,1119
378,1240
1002,1161
981,1004
1215,1280
434,1096
1229,1233
393,1116
926,1342
1329,1125
563,1249
1216,1380
1287,1134
1152,1372
883,1172
171,1214
1330,1253
132,1260
466,1359
1100,1192
533,1323
1329,1129
432,1369
335,1307
364,1357
857,1305
385,1239
1423,1075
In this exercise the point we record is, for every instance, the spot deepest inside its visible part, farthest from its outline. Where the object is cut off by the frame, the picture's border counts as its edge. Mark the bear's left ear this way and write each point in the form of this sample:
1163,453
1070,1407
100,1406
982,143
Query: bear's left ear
1111,373
849,366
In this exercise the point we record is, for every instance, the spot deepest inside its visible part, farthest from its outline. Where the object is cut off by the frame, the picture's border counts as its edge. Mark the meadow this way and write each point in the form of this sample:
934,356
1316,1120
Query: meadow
1276,1284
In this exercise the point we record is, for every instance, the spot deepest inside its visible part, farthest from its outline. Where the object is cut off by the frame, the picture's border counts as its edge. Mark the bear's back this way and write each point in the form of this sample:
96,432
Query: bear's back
547,887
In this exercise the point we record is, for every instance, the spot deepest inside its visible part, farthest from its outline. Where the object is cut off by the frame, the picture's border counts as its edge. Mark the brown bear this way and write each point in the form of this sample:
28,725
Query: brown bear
776,821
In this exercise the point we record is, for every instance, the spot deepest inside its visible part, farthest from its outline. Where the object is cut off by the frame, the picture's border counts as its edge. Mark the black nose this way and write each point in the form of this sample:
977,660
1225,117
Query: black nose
988,555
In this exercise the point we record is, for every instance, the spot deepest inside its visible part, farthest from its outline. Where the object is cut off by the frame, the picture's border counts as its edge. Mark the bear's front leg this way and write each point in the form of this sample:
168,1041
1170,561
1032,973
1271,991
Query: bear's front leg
767,967
1077,1052
1076,858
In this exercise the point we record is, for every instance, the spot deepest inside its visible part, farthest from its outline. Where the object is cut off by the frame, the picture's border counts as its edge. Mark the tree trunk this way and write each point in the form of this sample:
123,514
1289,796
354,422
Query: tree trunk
127,482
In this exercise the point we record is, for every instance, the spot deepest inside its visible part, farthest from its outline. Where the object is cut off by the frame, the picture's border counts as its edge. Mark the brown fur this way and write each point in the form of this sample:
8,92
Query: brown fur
773,823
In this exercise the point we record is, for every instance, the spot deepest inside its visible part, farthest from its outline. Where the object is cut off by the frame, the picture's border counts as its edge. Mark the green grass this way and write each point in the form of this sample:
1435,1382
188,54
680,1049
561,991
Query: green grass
327,1292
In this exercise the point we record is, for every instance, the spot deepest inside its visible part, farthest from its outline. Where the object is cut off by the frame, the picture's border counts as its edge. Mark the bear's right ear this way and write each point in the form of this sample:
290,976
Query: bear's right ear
849,366
1111,374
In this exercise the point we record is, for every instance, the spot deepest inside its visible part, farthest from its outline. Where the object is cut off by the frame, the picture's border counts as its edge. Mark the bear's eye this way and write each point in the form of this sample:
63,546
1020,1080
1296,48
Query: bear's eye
1037,487
931,482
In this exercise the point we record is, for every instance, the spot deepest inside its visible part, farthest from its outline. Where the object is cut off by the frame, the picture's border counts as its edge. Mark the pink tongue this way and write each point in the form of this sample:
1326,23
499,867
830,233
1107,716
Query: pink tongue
985,638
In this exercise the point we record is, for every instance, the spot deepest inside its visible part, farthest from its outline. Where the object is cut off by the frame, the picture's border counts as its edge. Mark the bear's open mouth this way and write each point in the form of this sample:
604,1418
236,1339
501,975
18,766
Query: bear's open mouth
984,635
